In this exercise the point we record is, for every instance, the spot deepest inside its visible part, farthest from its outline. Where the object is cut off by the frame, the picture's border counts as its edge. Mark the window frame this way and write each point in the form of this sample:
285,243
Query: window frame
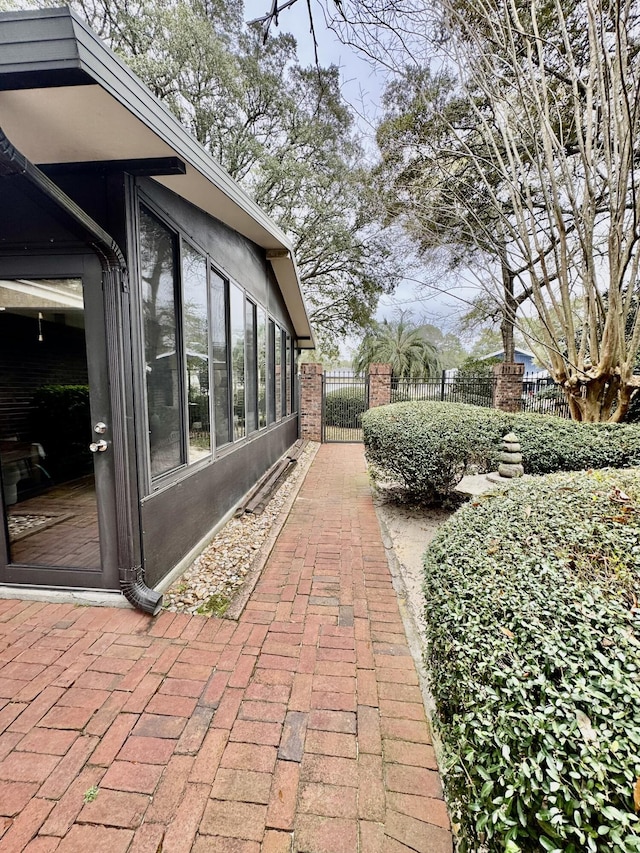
205,459
153,481
216,270
251,365
179,238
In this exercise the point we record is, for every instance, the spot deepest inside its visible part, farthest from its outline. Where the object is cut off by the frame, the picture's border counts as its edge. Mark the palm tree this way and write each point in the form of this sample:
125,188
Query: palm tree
400,345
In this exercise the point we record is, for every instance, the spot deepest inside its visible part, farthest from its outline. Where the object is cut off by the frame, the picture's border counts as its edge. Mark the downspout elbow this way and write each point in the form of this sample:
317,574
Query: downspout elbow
137,592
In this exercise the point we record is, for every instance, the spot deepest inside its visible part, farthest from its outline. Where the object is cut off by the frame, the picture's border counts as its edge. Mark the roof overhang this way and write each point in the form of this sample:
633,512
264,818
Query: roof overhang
66,98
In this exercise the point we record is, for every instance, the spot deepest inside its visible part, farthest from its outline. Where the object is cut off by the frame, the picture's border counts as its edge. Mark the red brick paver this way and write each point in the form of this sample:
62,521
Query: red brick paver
298,729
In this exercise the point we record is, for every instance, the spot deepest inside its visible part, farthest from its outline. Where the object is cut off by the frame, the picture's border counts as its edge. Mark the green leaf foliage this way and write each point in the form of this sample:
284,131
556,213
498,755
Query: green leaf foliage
427,446
344,407
533,654
401,345
282,130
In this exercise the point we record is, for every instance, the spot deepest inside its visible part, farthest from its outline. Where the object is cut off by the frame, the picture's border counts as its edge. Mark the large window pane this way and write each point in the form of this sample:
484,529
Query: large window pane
262,368
196,343
271,375
251,360
278,371
237,361
289,372
157,268
220,359
294,379
284,373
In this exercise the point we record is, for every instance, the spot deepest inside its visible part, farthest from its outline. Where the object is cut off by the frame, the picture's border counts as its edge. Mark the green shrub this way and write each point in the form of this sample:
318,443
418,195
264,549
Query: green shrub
344,407
533,654
60,419
427,446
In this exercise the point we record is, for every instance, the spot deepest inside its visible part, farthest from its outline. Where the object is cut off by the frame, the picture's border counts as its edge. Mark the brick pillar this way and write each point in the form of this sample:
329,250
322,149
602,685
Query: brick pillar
311,401
379,385
507,394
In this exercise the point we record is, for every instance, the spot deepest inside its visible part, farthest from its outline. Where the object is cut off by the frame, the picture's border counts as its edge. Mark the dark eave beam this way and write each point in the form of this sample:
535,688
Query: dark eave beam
147,166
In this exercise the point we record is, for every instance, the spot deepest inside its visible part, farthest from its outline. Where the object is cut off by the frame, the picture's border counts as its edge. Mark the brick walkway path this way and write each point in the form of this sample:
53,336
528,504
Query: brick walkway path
298,728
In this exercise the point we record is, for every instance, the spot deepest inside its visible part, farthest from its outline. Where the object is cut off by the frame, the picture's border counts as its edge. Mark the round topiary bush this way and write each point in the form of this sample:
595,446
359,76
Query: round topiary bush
533,655
427,446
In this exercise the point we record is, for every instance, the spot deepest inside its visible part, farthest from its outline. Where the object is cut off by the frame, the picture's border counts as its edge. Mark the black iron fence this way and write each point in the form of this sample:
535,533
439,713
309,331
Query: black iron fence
345,397
539,393
476,390
542,395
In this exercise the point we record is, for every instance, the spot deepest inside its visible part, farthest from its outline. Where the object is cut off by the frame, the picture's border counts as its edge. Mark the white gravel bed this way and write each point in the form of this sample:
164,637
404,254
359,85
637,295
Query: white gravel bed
216,575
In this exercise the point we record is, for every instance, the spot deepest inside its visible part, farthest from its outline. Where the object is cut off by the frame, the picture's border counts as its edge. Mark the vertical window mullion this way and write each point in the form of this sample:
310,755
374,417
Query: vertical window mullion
289,372
227,323
180,353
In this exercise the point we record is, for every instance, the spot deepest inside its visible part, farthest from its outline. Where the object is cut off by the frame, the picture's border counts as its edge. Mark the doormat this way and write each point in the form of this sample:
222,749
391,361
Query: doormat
22,525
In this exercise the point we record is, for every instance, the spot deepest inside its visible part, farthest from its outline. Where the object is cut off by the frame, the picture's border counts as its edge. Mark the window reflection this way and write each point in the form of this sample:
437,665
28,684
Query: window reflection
289,372
219,356
271,376
262,368
196,342
46,468
157,269
237,360
278,371
283,372
251,366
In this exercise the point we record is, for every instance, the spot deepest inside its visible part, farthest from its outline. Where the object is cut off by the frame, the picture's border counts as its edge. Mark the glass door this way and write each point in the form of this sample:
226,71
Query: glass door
54,429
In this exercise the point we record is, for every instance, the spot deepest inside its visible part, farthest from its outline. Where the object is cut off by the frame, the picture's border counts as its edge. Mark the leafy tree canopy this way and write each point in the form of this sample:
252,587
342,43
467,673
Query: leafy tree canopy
283,131
451,352
402,346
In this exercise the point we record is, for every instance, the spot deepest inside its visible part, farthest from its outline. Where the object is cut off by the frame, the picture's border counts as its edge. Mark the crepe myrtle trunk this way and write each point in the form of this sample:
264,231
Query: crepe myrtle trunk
509,309
600,398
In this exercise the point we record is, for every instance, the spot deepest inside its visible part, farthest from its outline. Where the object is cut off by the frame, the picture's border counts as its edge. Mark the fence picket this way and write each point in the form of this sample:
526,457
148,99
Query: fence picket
345,397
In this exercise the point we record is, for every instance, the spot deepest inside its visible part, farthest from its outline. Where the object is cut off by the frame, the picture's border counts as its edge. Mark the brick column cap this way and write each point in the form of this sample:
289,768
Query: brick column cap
508,368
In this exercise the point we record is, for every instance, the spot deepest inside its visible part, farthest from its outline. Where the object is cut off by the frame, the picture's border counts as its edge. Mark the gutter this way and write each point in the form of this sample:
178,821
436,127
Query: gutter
115,280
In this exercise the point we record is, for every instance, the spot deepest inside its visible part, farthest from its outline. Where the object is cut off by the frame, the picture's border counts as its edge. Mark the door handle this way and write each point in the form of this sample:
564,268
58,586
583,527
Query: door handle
98,446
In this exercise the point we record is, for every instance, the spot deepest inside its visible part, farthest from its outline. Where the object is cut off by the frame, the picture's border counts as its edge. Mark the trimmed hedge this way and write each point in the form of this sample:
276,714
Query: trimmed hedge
533,654
427,446
344,407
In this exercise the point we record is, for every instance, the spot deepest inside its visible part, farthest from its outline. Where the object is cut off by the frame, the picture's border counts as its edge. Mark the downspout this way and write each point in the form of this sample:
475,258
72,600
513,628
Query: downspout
115,280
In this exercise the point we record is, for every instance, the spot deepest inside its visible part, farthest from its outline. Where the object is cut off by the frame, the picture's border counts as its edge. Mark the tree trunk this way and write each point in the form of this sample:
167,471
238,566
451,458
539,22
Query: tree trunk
603,400
509,308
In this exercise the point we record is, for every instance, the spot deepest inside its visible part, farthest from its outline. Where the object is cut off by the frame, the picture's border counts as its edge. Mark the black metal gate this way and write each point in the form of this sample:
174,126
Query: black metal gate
345,398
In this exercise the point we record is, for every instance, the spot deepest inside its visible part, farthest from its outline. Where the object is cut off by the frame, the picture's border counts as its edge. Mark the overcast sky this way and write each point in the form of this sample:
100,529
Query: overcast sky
362,87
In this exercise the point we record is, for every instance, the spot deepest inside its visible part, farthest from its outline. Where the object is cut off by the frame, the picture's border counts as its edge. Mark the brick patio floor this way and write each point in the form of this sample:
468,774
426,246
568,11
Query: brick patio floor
298,728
